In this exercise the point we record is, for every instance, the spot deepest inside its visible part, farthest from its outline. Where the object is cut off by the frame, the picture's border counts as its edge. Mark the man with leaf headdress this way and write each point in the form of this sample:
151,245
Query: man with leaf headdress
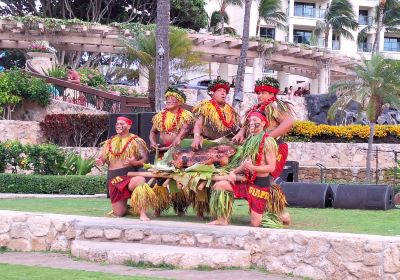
172,125
279,115
123,153
256,159
214,118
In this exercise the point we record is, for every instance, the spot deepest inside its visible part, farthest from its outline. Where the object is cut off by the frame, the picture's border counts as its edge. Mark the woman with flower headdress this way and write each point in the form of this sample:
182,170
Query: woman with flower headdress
279,115
171,124
214,118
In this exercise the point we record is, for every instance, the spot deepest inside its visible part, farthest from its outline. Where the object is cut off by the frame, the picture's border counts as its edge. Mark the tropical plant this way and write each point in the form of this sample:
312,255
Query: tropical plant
8,99
340,18
238,95
56,71
377,82
271,12
215,21
223,4
77,165
142,50
387,15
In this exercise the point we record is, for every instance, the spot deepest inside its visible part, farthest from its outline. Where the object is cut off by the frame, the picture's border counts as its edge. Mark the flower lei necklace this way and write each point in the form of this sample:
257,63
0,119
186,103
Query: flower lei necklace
177,121
221,115
251,178
118,154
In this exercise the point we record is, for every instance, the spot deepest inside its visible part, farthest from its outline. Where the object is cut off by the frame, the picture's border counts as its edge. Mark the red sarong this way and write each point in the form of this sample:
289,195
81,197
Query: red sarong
118,188
256,196
283,151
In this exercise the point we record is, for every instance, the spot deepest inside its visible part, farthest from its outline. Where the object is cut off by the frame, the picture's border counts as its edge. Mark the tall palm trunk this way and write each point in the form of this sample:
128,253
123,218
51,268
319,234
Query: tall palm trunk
162,62
222,21
238,96
258,26
377,41
369,151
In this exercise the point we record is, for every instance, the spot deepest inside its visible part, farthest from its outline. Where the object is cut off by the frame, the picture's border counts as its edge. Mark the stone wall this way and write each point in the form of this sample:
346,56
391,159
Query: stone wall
340,155
28,132
310,174
318,255
31,111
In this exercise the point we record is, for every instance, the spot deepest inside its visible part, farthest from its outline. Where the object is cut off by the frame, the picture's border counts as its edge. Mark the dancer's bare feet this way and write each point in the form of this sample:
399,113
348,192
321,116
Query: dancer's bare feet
200,215
143,216
181,213
219,222
157,213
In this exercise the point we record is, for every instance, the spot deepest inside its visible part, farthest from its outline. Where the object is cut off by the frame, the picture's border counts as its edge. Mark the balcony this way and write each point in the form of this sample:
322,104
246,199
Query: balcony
391,46
364,47
306,40
303,11
365,20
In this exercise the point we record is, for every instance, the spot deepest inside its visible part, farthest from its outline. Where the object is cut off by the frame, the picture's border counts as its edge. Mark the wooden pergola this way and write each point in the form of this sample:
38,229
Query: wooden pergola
280,56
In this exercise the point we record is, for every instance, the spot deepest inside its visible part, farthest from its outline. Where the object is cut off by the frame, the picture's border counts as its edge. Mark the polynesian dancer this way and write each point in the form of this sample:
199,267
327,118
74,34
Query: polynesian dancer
171,125
123,153
256,159
214,119
279,115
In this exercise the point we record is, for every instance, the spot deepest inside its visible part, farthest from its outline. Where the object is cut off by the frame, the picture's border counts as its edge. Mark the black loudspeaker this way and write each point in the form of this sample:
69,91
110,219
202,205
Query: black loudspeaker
307,195
374,197
113,119
145,125
290,172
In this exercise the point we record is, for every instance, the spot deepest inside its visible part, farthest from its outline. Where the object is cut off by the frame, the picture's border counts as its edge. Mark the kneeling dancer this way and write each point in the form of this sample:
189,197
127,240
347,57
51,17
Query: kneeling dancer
256,159
123,153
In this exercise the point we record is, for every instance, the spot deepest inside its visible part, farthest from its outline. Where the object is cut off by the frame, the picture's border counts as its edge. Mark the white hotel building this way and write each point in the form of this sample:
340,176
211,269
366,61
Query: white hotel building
302,16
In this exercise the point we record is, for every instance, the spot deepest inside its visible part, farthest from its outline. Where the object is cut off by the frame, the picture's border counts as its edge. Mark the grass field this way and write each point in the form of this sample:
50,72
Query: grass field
334,220
22,272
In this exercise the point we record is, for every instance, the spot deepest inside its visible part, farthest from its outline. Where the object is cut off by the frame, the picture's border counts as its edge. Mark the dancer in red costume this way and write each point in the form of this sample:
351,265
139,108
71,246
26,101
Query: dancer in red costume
279,115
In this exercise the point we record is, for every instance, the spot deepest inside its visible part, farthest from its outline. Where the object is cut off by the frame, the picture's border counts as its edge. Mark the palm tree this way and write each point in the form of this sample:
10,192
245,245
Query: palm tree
377,82
162,60
238,95
271,12
387,16
215,21
340,18
223,4
142,50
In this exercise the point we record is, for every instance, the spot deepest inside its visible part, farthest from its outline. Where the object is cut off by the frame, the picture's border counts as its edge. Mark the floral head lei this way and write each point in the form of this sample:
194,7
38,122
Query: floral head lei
268,84
174,92
217,84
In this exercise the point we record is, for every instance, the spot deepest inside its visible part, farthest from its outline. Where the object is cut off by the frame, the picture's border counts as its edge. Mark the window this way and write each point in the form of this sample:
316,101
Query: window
335,42
364,46
267,32
304,9
391,44
301,37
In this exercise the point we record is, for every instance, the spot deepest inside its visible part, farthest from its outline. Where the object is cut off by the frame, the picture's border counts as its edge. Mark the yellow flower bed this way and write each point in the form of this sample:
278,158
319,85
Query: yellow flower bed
310,130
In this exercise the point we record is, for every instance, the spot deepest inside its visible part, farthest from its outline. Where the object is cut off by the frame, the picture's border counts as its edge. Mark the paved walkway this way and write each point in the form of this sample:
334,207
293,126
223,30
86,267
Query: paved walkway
63,261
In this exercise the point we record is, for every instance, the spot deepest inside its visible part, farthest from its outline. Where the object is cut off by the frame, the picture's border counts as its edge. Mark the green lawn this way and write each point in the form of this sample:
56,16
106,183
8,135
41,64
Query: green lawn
336,220
22,272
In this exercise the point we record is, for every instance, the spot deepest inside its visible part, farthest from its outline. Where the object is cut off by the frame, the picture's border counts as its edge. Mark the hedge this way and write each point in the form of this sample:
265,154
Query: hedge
52,184
309,131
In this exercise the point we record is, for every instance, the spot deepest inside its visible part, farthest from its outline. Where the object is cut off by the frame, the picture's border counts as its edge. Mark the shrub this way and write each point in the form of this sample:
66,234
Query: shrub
41,159
309,131
91,77
49,184
16,84
77,130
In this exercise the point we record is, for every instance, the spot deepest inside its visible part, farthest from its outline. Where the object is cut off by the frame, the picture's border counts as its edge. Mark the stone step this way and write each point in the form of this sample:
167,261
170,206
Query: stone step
182,257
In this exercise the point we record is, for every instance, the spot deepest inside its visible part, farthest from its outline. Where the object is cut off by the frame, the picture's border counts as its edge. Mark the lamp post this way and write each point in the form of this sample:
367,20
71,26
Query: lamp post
159,93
